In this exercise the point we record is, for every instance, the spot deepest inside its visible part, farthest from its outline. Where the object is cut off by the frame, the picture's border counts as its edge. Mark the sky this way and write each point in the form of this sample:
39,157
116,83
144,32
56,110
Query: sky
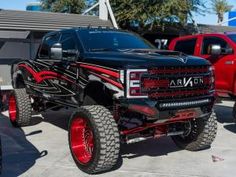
208,19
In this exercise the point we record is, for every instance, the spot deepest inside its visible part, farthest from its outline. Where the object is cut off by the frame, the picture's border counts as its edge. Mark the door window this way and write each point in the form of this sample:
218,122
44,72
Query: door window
209,41
46,44
69,47
186,46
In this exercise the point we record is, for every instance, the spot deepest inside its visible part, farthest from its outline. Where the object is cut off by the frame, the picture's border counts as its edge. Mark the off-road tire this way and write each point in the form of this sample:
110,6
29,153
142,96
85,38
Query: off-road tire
202,134
106,139
23,108
234,112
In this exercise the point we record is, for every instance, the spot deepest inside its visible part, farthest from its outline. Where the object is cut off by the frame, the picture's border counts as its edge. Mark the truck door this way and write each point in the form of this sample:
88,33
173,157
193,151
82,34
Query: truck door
67,66
223,63
60,76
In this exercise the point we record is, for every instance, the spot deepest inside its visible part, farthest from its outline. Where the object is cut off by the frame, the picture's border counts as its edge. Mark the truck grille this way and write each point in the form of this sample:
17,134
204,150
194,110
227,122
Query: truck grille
177,82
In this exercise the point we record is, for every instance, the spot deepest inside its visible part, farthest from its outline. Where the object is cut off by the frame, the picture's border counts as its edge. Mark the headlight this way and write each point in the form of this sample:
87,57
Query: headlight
133,89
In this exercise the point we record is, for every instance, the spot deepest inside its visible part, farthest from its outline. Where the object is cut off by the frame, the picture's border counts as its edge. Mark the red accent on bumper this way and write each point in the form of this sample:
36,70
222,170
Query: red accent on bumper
179,117
146,110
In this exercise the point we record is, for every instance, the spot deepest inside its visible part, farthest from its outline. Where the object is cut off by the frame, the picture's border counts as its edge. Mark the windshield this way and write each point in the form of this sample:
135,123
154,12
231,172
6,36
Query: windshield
232,37
111,40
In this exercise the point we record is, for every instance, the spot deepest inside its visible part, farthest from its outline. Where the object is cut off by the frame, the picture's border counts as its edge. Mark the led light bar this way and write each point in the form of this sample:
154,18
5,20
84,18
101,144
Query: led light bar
187,103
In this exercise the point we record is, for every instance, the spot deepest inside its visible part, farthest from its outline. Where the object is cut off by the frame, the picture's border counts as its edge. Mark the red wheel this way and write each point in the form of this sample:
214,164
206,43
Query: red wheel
82,142
12,108
94,139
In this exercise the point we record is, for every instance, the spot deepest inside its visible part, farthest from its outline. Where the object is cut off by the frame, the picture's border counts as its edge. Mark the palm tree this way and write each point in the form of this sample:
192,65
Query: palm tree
220,7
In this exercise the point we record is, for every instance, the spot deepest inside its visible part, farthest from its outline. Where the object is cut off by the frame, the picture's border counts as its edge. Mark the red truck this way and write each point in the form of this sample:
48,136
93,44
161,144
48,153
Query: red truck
220,50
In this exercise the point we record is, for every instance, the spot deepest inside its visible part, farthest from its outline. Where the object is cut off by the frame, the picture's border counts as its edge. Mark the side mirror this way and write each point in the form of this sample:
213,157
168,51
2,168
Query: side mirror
228,51
56,51
215,49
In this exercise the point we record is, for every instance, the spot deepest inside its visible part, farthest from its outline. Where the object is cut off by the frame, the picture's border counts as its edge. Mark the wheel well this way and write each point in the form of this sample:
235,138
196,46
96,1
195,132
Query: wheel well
97,93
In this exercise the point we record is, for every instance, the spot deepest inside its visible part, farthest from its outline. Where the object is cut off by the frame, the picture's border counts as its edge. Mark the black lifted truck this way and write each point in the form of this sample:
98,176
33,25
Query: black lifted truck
122,90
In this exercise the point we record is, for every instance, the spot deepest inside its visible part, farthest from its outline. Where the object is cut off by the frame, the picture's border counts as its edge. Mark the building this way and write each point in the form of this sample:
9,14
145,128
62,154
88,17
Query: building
232,15
34,6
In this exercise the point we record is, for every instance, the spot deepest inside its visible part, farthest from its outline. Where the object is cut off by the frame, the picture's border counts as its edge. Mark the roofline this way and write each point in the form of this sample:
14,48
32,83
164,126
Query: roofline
48,12
87,28
195,35
47,21
44,12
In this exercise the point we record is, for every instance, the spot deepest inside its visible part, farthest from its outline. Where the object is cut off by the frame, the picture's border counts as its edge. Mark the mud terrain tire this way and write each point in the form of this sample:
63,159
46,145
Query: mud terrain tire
20,109
94,139
202,134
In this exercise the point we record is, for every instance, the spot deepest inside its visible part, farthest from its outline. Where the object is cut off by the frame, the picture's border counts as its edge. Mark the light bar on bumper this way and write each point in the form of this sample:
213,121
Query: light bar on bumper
185,103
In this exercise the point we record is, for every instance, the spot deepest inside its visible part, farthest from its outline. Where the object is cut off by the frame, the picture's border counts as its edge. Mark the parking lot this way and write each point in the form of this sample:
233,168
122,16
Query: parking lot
42,150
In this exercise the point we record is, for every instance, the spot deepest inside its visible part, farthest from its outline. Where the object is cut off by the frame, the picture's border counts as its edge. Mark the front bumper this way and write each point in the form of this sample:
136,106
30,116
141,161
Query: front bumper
164,110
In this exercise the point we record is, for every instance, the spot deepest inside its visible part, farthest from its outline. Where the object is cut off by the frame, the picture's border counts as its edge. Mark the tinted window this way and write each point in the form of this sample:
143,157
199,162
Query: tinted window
68,46
186,46
112,40
68,42
46,44
208,41
232,37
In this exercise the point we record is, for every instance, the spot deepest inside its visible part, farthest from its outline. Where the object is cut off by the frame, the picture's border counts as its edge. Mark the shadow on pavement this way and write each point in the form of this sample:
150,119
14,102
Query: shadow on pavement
18,153
230,127
58,118
153,147
224,116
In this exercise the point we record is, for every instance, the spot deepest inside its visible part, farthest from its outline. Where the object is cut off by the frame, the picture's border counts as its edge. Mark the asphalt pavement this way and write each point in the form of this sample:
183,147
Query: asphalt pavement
41,150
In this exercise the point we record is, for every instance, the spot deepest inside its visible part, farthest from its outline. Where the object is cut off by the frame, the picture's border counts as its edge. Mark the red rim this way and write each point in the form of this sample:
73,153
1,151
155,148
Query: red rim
82,142
12,108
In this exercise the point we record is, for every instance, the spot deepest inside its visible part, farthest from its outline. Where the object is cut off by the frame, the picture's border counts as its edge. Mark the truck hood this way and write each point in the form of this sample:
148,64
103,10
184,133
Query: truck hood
142,59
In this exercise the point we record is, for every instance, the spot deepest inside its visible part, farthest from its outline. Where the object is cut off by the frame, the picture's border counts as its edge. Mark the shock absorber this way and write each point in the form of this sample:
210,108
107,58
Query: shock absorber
116,113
